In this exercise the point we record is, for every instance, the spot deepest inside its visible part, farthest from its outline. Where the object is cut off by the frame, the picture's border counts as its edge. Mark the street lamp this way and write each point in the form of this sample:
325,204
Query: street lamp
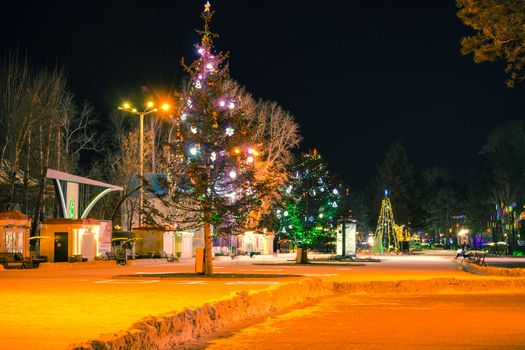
148,110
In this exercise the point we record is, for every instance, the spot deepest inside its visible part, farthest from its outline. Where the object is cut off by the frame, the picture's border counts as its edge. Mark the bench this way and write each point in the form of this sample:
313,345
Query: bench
477,258
15,261
169,257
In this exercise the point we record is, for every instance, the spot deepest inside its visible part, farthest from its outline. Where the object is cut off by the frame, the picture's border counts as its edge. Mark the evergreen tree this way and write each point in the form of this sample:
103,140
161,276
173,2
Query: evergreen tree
397,174
309,204
441,201
211,175
504,154
499,33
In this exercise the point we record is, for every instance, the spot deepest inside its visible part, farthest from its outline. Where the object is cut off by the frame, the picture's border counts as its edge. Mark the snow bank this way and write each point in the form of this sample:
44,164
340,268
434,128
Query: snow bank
95,264
170,330
493,271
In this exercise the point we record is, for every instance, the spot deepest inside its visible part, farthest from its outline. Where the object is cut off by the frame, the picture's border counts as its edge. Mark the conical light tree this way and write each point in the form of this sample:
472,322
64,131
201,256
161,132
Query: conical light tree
386,235
211,170
309,204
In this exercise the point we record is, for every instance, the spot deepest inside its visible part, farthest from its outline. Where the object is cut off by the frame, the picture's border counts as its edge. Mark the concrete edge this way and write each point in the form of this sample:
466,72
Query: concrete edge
174,329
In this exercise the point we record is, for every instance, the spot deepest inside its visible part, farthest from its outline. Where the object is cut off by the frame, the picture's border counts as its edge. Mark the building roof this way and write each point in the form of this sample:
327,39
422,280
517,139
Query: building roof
13,215
59,175
14,218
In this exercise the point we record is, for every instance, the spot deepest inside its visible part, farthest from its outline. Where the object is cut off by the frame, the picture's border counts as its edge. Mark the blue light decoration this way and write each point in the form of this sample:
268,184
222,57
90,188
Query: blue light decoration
386,192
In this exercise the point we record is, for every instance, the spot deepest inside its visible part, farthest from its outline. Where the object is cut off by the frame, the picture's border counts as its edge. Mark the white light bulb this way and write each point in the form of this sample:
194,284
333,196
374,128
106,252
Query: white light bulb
233,174
213,156
334,205
183,116
201,50
229,131
231,105
249,159
222,103
193,129
209,67
285,213
193,151
321,215
335,191
198,84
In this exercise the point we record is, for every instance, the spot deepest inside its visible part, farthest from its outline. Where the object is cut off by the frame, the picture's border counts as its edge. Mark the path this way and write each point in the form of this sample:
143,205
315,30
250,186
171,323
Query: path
453,321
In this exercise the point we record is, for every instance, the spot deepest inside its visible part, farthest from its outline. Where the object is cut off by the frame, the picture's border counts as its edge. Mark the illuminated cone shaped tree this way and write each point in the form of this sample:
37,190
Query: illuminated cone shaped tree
211,173
386,235
309,204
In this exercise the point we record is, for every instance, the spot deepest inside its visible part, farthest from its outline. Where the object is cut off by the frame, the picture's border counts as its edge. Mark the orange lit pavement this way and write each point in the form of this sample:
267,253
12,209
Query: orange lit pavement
454,321
52,309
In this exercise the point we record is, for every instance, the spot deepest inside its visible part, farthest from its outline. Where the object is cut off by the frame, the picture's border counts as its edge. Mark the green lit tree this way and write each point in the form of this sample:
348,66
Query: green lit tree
309,205
211,173
386,239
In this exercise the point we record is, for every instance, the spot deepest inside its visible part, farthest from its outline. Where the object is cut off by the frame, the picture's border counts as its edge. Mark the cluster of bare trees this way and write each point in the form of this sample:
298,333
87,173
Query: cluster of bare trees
41,127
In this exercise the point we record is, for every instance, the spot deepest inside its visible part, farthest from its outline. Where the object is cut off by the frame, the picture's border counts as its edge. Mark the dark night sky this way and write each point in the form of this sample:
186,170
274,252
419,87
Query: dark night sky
356,76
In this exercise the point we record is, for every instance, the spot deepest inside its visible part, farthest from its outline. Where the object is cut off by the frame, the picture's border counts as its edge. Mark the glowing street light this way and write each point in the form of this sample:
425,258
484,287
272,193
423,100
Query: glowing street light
148,110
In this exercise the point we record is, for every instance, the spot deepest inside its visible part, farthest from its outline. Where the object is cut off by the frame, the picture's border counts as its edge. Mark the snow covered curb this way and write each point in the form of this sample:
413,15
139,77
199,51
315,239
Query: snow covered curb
493,271
97,264
170,330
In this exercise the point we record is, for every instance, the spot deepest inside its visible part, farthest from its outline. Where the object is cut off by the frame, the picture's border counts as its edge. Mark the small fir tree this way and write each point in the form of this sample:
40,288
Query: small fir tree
309,204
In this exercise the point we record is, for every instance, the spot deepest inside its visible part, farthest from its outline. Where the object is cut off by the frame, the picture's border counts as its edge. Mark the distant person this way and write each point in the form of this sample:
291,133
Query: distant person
462,252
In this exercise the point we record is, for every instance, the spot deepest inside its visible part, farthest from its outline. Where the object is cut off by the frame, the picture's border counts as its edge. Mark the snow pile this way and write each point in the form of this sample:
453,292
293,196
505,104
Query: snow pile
59,266
171,330
494,271
95,264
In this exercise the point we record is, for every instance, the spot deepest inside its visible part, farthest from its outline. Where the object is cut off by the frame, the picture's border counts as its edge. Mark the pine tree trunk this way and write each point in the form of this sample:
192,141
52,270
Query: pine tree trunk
302,256
208,263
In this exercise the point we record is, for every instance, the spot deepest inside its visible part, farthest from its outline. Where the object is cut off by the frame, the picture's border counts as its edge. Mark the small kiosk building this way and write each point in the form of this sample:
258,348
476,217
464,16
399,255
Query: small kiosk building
65,240
151,240
14,232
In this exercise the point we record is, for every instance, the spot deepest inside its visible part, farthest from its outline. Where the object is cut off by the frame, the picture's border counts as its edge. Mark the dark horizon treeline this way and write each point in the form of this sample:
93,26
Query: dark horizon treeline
431,201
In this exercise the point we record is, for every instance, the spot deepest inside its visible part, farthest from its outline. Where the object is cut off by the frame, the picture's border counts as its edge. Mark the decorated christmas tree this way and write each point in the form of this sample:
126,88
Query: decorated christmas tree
309,204
386,236
211,174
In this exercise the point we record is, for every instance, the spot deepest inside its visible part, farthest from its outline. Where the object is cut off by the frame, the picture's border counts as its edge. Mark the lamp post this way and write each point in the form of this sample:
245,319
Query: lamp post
148,110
